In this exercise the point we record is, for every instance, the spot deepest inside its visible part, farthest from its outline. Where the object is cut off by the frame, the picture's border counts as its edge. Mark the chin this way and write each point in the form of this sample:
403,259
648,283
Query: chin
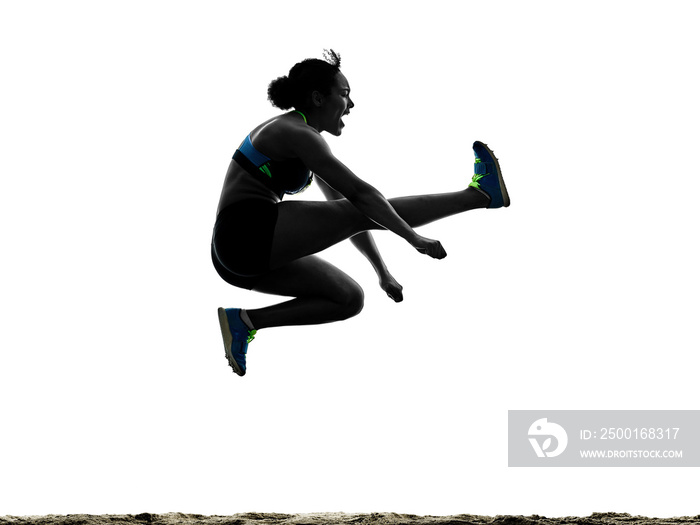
338,129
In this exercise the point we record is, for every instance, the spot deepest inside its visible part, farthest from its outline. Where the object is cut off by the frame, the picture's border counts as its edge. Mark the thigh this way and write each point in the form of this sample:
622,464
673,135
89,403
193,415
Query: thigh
307,227
309,276
234,279
242,236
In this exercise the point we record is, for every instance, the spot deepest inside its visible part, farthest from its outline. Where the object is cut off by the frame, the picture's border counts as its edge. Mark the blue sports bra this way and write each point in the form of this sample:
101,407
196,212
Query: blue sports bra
282,177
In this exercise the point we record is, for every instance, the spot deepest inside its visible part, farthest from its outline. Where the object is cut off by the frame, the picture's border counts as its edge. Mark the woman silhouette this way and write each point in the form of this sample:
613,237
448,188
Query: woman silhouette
263,244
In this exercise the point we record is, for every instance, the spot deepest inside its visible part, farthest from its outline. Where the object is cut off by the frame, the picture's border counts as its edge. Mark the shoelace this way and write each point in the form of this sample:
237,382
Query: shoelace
251,335
475,181
477,177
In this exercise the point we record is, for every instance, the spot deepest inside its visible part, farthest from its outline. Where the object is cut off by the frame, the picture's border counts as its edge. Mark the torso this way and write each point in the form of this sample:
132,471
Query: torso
269,139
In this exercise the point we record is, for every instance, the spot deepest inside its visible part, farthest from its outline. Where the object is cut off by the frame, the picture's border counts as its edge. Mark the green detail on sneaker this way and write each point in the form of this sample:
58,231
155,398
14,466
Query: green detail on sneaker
475,181
251,335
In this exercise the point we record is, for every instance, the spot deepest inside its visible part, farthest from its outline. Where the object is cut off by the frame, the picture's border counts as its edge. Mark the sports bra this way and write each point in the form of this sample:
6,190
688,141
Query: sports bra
281,176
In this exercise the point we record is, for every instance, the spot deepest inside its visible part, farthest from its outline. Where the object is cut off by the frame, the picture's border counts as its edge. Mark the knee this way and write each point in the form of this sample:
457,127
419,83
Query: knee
356,302
351,301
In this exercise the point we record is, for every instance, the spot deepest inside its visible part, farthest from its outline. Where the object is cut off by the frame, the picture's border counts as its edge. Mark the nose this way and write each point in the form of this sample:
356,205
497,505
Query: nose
351,104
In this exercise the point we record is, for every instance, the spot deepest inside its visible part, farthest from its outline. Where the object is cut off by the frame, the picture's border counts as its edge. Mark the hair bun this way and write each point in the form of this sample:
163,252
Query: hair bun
281,92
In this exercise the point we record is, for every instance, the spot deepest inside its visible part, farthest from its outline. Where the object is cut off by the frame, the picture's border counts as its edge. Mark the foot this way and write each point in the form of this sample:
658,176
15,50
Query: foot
236,336
488,177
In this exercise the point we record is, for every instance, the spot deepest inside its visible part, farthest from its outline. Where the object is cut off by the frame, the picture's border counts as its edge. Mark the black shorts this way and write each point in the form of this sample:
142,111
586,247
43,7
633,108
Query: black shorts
242,241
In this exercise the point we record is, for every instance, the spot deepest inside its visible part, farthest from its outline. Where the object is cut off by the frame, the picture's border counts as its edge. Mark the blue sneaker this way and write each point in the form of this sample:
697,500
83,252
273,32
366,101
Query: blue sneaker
236,336
487,176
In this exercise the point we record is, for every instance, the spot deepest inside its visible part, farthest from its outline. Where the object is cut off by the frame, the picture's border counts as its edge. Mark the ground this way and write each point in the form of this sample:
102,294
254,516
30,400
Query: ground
254,518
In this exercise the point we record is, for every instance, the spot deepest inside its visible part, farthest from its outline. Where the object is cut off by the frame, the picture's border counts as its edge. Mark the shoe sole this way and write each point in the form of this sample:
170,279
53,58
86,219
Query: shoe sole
228,341
501,182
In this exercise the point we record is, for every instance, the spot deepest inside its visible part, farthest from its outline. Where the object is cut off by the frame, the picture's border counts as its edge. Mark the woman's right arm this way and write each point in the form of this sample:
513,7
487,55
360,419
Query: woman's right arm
314,152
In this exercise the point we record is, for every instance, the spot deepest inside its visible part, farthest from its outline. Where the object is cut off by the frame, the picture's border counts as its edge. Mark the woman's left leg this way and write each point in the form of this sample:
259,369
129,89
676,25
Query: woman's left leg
307,227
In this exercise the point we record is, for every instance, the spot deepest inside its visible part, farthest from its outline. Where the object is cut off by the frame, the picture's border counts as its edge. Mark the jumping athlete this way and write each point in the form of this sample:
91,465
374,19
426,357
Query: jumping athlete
263,244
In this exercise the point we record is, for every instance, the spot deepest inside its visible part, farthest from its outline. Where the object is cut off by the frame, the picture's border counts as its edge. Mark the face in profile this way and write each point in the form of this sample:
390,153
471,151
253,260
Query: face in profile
336,105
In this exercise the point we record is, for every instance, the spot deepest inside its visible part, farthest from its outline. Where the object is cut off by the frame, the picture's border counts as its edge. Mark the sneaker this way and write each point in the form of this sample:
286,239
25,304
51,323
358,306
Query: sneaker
236,336
487,176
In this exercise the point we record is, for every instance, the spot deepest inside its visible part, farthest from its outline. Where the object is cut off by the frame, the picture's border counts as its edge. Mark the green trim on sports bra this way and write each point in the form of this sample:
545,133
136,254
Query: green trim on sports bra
303,116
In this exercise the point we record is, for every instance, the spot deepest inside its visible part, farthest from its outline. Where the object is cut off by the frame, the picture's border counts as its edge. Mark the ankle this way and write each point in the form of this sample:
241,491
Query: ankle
478,197
246,319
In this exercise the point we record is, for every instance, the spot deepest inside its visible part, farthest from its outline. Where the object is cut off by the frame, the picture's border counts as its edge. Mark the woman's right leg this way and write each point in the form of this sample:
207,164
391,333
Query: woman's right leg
322,294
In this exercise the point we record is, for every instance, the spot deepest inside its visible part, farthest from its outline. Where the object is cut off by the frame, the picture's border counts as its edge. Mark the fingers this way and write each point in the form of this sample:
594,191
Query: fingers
392,288
440,253
435,250
394,292
395,295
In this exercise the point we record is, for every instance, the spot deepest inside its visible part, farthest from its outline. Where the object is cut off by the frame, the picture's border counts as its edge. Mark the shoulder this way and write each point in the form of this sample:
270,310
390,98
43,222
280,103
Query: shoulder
288,136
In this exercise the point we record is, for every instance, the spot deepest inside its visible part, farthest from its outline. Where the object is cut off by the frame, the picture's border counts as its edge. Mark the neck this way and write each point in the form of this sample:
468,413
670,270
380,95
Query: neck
310,117
304,116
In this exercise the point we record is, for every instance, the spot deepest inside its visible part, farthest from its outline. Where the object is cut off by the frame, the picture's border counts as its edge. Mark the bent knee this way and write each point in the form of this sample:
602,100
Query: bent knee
352,301
357,302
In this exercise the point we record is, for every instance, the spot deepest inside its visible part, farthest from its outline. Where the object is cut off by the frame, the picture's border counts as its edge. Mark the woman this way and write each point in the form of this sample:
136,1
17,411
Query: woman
263,244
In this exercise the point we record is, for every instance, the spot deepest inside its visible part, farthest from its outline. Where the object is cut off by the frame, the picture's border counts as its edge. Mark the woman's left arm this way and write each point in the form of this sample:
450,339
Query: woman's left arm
364,242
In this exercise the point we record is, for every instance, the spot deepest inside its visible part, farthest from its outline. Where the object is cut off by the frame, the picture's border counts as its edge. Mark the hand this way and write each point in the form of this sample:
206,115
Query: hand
392,288
429,247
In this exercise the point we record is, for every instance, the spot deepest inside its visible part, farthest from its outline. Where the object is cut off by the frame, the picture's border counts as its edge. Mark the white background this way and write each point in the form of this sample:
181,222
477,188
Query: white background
118,123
